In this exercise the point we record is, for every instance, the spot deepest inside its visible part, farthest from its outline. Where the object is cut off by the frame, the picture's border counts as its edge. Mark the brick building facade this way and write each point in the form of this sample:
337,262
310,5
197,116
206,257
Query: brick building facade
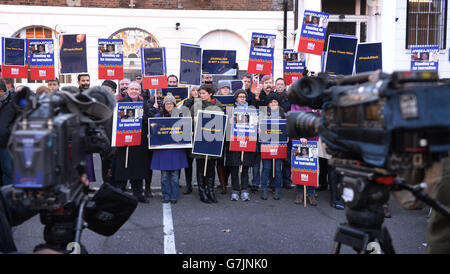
254,5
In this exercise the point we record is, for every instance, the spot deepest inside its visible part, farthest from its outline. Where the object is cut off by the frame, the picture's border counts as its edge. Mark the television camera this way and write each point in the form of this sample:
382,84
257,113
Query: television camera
377,127
49,144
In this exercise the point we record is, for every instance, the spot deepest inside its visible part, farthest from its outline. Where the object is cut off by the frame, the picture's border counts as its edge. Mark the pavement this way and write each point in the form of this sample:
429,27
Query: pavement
232,227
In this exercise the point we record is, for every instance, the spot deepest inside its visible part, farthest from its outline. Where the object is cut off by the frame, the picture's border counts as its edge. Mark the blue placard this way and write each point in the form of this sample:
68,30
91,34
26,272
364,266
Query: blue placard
219,62
293,64
72,53
209,133
190,64
110,52
368,57
273,131
262,46
41,52
312,36
424,58
169,132
226,101
127,124
305,157
341,54
14,51
180,93
153,61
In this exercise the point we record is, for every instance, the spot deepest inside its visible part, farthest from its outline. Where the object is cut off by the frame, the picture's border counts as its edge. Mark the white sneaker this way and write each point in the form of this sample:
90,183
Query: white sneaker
245,196
235,196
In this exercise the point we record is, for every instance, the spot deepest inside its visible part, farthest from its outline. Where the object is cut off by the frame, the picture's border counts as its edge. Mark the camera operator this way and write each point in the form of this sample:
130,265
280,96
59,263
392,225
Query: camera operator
8,115
437,178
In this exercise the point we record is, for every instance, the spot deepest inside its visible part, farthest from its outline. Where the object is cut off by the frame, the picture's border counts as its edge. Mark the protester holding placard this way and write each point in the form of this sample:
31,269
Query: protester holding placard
236,159
169,161
223,172
274,111
323,164
188,171
137,168
206,183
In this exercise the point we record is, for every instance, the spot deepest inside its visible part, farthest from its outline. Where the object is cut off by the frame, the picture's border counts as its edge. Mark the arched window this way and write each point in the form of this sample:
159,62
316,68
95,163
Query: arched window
133,40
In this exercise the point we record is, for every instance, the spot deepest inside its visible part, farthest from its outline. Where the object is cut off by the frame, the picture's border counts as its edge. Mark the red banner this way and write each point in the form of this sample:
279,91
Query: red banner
273,151
110,72
154,82
14,72
241,143
42,73
290,78
312,46
129,138
305,177
259,67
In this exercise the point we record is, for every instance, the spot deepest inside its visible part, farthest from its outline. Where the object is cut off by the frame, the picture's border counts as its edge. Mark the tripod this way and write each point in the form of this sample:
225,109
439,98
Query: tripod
364,200
63,228
365,191
362,237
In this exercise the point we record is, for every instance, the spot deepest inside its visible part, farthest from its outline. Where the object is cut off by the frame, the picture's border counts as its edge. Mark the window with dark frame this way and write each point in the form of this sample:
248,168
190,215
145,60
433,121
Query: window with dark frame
426,23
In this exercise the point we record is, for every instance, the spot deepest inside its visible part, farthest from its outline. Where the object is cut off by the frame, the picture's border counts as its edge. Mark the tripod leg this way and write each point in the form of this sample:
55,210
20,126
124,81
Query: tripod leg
336,248
386,241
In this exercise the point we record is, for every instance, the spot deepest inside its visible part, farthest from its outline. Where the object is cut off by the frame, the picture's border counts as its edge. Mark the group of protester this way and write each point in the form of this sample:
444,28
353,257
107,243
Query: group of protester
269,96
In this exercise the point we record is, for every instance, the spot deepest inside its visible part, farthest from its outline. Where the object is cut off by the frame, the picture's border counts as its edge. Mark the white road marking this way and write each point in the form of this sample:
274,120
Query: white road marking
169,235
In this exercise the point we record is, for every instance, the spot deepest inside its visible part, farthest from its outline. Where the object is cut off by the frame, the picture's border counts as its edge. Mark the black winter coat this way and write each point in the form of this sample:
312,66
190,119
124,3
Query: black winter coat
233,158
138,160
8,116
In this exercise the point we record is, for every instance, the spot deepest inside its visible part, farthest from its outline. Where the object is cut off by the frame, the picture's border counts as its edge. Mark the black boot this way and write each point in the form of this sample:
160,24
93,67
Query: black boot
188,188
211,194
136,186
148,189
202,189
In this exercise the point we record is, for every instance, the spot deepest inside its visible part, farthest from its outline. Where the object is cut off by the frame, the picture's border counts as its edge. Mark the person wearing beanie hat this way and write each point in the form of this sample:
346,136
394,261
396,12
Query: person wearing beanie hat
274,111
170,98
224,88
238,92
110,85
169,161
233,159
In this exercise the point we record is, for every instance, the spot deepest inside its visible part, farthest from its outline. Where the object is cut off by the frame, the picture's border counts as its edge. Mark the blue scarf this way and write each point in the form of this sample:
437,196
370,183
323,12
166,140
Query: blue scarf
245,105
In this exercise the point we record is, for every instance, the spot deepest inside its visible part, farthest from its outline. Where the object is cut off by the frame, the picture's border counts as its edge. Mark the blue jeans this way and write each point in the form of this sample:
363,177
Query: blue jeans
256,178
266,173
169,184
309,189
6,166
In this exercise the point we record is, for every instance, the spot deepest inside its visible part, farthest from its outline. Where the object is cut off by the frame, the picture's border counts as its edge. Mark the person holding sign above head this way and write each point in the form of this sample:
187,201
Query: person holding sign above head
273,111
138,164
236,159
206,183
169,161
